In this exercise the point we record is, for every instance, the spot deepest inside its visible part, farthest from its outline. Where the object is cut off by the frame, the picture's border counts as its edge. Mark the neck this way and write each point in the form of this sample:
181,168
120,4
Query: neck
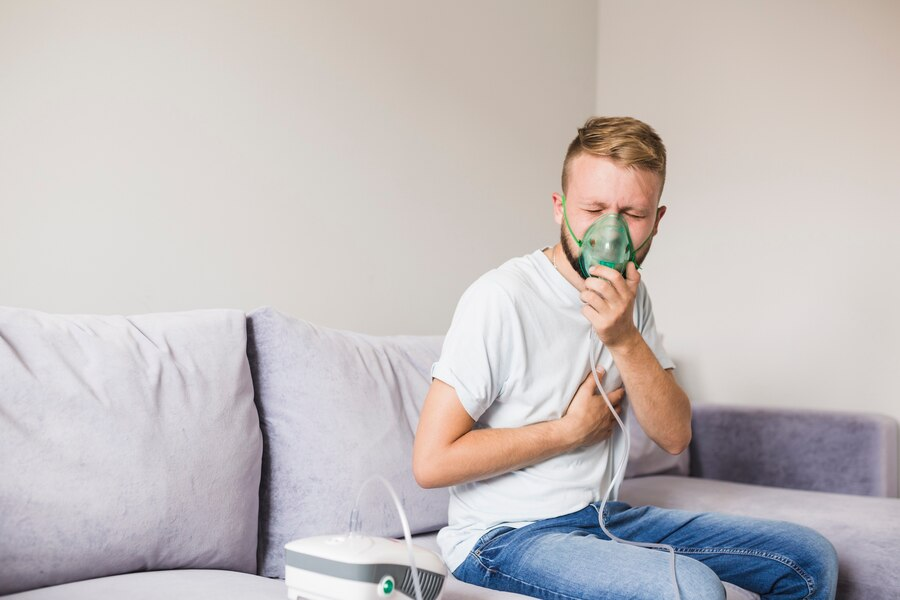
558,257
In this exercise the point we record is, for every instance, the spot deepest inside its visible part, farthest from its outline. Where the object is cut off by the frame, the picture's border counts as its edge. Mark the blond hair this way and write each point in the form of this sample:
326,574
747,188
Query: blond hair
627,141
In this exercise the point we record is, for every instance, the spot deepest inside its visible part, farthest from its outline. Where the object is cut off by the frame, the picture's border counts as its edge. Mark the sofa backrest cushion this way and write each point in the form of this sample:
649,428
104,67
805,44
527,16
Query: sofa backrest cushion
337,407
127,443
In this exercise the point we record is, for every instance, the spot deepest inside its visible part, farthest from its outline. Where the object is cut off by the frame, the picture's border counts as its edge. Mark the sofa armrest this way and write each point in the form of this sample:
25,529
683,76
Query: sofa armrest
847,453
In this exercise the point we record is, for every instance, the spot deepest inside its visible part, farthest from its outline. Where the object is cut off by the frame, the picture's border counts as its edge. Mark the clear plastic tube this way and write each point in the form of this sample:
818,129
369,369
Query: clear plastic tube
354,526
620,469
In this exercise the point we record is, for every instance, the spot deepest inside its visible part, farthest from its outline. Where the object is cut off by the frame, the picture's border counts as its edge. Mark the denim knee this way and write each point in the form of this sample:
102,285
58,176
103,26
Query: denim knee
697,581
819,558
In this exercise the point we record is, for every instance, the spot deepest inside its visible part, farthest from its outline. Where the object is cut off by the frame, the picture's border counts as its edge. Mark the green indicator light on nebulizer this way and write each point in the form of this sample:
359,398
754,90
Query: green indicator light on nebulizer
387,585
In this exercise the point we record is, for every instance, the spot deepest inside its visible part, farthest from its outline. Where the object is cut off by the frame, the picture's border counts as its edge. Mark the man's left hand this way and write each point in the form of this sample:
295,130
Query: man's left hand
609,303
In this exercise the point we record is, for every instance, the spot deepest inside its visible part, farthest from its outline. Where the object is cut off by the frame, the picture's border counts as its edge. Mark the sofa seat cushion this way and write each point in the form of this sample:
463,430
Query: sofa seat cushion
183,584
864,530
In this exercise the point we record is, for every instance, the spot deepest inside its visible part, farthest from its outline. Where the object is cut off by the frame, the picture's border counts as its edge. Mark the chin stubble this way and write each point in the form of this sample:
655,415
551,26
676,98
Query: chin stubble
573,260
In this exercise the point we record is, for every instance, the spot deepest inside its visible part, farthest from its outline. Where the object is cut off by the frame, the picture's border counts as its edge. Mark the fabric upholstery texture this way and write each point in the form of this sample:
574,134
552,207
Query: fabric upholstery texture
864,530
337,407
850,453
127,443
176,584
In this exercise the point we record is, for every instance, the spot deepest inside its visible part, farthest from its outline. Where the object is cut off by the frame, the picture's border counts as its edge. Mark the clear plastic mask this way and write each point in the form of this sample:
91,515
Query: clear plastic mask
606,242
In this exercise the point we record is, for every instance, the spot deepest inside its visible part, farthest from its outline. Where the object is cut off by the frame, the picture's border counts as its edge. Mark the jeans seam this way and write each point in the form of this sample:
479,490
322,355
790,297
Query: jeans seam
494,571
477,558
810,582
605,516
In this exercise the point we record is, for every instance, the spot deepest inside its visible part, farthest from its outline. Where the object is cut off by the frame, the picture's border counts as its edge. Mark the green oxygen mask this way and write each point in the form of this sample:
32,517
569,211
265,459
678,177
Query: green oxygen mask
606,242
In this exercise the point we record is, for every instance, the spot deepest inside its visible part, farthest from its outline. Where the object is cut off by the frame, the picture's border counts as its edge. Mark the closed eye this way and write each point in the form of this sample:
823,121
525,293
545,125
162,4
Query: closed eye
630,215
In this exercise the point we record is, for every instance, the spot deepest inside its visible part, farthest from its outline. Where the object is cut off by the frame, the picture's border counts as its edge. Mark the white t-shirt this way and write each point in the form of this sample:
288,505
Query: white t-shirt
516,352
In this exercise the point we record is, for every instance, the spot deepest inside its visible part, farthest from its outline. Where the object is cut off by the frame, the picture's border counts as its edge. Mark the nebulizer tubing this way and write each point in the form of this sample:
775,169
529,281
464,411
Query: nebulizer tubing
354,526
620,469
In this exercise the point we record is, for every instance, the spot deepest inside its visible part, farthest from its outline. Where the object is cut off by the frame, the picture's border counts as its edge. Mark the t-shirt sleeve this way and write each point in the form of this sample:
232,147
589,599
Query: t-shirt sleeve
473,359
647,327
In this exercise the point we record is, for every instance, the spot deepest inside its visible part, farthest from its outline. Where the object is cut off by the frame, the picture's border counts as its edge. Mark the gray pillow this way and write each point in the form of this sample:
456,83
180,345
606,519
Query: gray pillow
127,444
337,407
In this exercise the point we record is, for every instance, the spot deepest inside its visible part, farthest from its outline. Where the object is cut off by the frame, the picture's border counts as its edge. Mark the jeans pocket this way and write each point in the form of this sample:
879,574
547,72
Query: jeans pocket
491,537
611,510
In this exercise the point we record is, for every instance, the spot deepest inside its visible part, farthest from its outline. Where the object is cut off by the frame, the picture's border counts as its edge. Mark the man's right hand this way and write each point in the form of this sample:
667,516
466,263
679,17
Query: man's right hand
588,420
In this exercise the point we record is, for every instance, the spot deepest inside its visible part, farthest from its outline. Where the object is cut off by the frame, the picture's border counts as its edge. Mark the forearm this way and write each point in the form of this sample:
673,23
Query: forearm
484,453
659,404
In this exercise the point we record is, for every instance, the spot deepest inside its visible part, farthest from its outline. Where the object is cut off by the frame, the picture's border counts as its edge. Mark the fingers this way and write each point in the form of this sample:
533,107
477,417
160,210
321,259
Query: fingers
590,313
615,397
590,376
608,293
605,289
631,275
605,277
604,272
606,281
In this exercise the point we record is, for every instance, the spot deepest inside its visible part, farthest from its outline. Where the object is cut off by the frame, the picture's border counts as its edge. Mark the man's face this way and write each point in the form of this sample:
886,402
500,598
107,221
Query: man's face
597,186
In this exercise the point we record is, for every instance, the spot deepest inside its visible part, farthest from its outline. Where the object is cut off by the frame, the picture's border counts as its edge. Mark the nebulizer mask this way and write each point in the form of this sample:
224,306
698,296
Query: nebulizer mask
608,242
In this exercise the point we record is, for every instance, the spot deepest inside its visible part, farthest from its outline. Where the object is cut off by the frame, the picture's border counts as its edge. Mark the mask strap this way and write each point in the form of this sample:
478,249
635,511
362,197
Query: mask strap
649,237
566,217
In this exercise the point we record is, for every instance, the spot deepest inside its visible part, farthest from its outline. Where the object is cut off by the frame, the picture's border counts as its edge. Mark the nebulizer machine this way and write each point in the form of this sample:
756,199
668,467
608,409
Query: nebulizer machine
354,566
608,242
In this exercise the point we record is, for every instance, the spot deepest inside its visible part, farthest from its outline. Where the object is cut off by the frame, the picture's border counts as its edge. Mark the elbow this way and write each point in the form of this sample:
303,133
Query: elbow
424,473
682,434
680,445
676,450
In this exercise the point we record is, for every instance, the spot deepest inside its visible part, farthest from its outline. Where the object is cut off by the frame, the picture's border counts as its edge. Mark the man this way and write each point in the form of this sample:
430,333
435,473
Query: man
513,424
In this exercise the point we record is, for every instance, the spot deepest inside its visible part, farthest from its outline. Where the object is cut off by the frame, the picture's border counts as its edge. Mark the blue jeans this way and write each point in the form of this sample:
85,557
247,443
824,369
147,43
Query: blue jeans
570,558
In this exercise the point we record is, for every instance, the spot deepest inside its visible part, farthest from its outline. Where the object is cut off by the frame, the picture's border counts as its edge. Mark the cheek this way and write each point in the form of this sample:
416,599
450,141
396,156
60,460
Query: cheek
640,232
585,223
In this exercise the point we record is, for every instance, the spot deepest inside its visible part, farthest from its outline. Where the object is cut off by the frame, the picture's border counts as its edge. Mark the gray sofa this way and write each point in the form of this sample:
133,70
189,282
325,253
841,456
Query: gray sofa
172,455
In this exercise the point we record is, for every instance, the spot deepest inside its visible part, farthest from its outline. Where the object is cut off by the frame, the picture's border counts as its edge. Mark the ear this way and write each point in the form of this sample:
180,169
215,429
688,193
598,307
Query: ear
557,208
661,212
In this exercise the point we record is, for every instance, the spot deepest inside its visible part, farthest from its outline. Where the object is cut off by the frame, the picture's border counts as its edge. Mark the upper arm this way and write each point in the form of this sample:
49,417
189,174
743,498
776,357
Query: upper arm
443,420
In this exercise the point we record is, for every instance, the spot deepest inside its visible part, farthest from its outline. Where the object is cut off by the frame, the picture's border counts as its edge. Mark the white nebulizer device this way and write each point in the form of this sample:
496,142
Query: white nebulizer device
353,566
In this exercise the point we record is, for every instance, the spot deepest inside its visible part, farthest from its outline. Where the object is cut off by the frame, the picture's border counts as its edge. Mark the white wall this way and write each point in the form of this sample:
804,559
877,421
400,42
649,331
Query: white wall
774,275
356,164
